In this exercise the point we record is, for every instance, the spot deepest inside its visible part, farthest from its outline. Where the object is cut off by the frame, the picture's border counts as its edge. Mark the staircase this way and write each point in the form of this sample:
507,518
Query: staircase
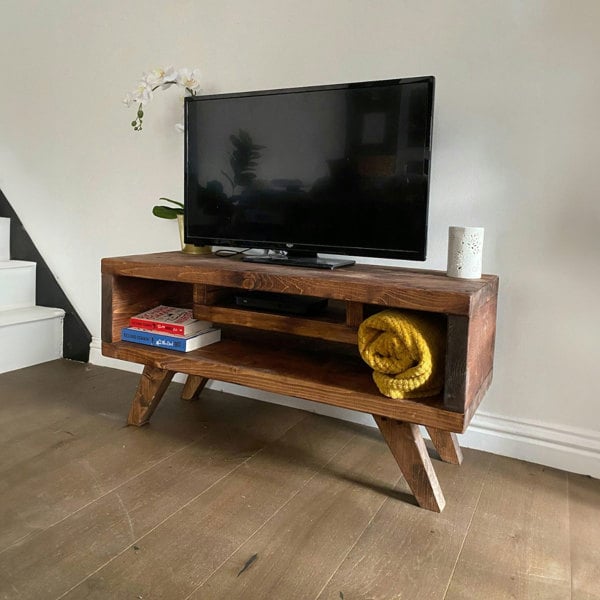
29,334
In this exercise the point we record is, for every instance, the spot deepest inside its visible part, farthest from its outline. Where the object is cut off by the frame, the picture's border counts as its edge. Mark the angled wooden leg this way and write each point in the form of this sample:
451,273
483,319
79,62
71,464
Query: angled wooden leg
153,384
446,444
407,445
194,384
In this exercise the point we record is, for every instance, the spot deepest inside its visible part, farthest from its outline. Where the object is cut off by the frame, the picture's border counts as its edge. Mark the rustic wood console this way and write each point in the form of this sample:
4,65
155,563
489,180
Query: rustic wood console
313,358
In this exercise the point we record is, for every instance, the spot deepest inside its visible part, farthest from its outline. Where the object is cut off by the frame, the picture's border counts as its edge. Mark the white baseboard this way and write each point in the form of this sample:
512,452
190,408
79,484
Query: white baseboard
563,447
568,448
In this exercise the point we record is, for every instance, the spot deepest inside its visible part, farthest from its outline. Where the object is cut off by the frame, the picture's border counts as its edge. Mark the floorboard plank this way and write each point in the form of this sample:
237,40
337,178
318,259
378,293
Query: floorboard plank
92,509
407,552
584,509
37,406
302,545
184,550
58,558
517,544
95,452
61,417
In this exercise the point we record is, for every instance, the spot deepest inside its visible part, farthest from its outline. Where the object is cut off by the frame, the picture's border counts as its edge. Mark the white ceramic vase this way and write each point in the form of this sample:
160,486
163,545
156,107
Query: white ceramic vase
465,251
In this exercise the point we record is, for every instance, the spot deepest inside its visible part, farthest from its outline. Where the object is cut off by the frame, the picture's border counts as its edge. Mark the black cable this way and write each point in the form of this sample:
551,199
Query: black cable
224,253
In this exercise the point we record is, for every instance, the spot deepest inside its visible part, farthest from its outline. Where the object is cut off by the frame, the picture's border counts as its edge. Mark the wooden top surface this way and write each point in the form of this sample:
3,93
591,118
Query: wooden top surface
388,286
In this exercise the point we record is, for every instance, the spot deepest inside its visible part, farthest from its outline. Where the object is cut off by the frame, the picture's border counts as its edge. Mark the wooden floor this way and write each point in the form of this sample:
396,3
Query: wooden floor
232,498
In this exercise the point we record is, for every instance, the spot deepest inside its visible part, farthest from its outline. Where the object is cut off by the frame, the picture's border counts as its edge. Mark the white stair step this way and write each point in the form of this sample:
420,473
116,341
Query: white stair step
29,336
4,239
17,284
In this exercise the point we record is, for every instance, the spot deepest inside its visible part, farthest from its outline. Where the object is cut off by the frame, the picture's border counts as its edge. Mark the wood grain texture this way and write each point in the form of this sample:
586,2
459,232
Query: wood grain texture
480,351
209,479
49,563
355,314
108,314
153,384
75,447
386,286
584,518
193,387
211,294
177,556
130,296
517,545
470,355
334,374
410,553
407,445
446,444
337,380
298,549
455,386
130,283
65,428
330,327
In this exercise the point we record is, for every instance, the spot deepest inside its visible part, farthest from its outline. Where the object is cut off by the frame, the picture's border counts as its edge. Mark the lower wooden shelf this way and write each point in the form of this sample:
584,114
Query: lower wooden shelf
337,379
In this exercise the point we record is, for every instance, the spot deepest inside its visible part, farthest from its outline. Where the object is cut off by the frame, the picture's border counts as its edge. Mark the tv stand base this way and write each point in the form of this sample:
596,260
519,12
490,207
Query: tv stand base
403,439
313,356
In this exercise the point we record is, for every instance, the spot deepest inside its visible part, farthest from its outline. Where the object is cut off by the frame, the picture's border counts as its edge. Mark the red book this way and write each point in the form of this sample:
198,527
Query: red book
169,319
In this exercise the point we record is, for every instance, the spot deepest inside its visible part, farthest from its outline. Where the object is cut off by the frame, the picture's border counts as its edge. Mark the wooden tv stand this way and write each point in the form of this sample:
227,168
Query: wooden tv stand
314,358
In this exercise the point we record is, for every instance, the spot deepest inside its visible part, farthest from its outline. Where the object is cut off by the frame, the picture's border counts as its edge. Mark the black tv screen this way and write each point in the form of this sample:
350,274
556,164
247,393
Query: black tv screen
336,169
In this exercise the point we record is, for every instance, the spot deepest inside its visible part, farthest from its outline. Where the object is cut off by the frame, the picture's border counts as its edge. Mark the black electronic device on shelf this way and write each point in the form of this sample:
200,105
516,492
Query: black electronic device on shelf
289,304
333,169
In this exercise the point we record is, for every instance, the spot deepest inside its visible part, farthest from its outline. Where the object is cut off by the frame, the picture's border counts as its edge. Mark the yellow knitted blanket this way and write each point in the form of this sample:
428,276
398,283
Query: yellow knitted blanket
406,351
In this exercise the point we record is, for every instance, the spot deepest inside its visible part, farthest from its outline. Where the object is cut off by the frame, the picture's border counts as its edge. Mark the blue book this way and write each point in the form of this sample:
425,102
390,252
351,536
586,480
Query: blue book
181,343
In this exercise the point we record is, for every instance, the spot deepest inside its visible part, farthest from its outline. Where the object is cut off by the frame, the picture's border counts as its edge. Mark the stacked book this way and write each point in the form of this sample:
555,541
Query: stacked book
171,328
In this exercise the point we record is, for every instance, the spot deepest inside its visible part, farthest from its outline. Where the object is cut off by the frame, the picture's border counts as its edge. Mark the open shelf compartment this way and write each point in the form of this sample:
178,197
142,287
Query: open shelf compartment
335,376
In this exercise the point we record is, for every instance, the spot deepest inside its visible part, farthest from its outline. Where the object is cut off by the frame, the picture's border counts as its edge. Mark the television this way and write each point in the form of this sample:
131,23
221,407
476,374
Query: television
338,169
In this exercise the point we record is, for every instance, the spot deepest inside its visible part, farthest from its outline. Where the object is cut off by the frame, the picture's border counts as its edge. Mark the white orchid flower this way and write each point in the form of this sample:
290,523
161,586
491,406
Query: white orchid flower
189,79
160,75
143,93
129,100
160,78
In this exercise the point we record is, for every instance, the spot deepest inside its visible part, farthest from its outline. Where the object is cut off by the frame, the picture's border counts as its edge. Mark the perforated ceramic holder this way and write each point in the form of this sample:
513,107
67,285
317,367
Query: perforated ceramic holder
465,249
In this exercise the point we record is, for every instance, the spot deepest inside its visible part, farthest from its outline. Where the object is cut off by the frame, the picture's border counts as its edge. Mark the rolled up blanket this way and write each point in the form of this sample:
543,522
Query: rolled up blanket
406,351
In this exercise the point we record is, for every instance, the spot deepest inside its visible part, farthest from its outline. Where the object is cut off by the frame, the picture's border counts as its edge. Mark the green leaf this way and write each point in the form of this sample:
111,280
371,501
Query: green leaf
166,212
180,204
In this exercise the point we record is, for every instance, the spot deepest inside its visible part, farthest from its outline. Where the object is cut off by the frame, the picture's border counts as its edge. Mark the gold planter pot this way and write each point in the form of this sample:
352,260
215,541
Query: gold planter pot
190,248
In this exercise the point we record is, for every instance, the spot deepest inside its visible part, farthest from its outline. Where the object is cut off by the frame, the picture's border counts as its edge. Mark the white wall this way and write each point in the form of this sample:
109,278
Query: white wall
515,150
